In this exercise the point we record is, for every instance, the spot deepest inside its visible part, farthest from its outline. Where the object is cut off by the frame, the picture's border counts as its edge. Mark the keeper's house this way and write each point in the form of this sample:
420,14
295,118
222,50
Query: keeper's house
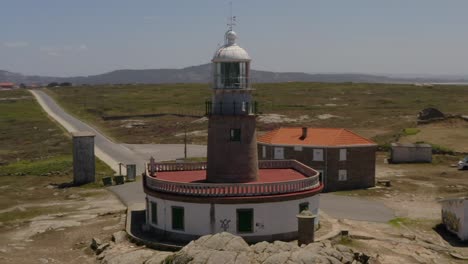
345,160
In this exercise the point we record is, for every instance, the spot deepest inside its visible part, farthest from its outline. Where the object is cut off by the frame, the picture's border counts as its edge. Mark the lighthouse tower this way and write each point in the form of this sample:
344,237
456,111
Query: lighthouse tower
233,191
232,146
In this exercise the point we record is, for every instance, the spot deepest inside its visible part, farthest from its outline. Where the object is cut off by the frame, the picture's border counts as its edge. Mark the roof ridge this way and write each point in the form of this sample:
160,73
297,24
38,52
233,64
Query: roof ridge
368,140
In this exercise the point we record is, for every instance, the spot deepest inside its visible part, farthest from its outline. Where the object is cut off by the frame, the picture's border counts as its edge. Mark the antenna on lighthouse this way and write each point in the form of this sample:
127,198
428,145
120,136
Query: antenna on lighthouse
231,19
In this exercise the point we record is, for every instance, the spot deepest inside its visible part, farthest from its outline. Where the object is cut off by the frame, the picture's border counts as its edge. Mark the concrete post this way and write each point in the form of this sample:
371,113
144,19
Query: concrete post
131,172
83,158
306,227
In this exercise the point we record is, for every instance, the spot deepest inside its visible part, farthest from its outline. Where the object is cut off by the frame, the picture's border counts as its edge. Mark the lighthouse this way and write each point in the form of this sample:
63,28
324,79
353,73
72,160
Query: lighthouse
232,146
232,191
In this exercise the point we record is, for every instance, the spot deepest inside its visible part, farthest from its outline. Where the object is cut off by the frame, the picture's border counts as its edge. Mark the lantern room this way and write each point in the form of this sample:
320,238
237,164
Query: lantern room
231,65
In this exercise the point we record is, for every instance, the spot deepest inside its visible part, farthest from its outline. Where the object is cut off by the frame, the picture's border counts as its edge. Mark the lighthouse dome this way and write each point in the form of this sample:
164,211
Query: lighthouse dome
230,51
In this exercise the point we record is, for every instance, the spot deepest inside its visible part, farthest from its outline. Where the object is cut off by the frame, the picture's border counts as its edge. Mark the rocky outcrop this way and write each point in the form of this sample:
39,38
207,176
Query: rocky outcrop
227,248
430,113
119,237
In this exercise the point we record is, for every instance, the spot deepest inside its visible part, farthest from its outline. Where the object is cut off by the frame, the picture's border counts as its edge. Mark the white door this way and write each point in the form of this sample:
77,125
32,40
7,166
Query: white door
279,153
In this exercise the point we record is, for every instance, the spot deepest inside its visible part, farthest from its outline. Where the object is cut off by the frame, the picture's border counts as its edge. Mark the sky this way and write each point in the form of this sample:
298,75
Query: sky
87,37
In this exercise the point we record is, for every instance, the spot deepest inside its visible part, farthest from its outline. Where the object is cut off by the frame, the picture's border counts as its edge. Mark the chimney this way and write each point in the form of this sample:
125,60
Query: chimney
304,133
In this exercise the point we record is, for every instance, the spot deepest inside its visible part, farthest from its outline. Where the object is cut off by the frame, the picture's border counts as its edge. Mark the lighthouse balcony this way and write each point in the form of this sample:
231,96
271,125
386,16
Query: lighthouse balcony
276,177
224,82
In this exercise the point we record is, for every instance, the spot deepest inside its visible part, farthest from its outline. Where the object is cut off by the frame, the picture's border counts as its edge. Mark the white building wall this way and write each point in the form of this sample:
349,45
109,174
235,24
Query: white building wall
269,218
196,216
455,218
465,221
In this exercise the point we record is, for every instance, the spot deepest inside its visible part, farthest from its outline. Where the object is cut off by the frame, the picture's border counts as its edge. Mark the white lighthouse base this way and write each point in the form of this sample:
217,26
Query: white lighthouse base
270,220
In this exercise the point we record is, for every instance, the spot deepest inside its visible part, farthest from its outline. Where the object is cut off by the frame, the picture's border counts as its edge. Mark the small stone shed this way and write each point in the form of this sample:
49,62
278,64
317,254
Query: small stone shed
408,152
455,216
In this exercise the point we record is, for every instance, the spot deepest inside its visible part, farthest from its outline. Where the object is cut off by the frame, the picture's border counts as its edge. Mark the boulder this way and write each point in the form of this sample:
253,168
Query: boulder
159,257
101,248
119,237
138,256
430,113
95,243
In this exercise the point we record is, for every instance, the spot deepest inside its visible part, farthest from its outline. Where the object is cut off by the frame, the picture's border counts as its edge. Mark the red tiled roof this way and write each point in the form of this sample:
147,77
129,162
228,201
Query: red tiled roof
264,175
315,137
7,84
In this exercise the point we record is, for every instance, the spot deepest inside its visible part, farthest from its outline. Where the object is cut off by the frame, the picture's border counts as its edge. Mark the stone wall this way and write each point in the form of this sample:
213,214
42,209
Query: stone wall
232,161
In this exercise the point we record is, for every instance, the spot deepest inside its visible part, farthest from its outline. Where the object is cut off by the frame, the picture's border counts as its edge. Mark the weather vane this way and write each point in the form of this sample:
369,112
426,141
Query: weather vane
232,19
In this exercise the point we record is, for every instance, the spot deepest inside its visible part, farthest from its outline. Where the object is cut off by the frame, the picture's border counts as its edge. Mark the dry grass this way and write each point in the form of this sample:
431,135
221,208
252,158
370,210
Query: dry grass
381,111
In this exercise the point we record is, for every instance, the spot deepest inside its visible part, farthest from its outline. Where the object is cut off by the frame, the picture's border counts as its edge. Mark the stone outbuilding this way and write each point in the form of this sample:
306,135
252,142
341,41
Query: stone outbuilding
455,216
410,153
345,160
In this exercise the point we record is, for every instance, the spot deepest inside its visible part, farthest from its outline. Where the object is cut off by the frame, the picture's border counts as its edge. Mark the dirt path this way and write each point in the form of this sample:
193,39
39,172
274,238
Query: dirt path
59,231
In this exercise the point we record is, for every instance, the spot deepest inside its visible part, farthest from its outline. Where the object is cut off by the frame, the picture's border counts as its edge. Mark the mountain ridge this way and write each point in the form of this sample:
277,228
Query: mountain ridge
201,74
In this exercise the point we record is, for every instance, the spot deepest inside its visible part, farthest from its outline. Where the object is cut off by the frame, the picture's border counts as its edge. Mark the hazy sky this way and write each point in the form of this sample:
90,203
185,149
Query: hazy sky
84,37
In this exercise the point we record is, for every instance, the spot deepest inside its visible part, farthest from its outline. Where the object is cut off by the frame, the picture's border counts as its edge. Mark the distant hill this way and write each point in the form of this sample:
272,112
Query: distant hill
202,73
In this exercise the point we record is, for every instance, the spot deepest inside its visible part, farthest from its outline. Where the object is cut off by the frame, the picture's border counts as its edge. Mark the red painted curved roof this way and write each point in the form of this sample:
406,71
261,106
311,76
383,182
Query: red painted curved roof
264,176
315,137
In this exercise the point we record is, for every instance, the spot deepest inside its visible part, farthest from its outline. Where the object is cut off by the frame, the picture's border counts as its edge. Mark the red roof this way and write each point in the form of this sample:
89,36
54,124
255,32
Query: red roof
264,175
7,84
315,137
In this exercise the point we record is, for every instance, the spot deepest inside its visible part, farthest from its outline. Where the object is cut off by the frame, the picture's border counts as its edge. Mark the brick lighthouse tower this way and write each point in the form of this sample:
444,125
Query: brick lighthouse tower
232,146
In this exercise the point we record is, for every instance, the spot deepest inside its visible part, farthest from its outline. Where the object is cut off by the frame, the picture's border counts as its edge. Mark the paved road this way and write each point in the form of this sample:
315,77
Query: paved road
355,208
131,193
110,152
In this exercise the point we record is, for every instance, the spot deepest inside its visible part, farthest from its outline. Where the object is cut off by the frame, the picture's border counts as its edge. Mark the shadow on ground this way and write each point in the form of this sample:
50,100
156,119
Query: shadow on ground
448,236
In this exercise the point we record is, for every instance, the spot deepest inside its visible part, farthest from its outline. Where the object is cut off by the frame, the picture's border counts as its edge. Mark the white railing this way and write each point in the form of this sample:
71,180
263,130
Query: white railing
233,189
171,166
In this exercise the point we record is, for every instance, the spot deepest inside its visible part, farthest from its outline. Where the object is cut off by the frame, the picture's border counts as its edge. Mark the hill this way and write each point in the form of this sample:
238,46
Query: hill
201,74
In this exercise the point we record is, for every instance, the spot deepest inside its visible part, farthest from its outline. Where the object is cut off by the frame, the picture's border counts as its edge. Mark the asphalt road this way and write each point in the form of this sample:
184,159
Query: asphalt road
112,153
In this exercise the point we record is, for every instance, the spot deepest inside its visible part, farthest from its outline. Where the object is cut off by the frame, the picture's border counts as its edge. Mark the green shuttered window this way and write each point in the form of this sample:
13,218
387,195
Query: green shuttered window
154,213
244,220
235,134
177,218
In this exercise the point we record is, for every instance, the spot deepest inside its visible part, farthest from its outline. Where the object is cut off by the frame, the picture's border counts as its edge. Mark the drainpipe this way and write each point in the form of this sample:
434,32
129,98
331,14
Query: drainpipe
325,171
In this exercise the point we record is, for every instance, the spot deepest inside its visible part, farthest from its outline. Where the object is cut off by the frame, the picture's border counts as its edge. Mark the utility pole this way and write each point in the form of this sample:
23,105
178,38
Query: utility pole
185,141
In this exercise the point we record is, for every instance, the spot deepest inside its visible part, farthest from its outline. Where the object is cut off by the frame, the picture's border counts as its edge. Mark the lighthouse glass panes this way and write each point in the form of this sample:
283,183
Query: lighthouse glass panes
231,75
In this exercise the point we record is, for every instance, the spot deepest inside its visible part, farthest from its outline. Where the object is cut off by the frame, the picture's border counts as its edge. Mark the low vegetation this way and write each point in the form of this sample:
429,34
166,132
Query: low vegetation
34,153
410,131
157,113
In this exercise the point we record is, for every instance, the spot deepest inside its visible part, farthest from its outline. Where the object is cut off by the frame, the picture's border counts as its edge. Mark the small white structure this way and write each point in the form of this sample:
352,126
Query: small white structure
455,216
407,153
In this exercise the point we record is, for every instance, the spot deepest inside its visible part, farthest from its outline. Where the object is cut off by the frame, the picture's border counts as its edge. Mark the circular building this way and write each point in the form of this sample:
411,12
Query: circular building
233,191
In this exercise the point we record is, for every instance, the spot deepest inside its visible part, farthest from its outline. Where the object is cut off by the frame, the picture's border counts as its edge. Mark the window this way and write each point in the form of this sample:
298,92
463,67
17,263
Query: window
154,213
279,153
244,220
177,218
298,148
264,151
230,74
235,134
342,154
303,206
342,175
318,155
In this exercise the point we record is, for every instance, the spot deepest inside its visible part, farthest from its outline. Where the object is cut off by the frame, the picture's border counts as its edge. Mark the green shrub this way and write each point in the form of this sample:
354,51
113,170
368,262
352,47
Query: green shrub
410,131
